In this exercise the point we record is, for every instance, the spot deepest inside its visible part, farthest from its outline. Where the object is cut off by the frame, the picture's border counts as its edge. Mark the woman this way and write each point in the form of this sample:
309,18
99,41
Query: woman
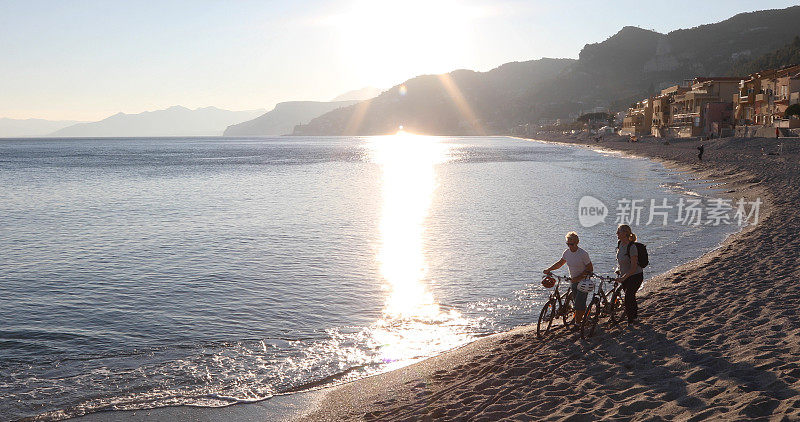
630,274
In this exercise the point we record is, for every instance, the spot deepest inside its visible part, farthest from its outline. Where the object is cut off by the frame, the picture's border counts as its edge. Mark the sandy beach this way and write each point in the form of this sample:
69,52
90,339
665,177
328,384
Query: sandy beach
719,337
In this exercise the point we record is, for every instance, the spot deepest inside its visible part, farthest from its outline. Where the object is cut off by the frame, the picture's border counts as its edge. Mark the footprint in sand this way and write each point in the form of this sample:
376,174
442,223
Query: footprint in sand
762,406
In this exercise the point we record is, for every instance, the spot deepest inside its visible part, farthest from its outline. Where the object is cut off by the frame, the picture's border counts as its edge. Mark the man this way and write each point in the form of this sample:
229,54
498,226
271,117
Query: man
702,149
580,266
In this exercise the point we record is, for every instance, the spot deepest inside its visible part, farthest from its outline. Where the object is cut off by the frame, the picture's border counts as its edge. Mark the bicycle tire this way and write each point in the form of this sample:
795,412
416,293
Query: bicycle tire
567,310
617,306
605,305
590,318
546,316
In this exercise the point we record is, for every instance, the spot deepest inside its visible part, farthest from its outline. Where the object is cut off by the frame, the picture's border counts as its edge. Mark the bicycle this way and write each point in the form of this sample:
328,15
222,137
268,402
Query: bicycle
557,305
611,304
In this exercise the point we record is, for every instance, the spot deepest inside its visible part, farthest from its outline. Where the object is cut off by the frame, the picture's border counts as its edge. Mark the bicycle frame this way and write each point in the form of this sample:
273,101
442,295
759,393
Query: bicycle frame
600,293
602,305
561,300
556,306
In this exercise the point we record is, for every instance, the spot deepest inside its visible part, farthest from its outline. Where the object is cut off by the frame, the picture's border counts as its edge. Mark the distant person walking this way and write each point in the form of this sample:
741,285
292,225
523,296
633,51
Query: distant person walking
702,149
777,133
630,273
580,266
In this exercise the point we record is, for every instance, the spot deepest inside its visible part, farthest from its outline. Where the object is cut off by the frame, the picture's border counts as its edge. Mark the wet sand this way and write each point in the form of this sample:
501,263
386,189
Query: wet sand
278,408
719,337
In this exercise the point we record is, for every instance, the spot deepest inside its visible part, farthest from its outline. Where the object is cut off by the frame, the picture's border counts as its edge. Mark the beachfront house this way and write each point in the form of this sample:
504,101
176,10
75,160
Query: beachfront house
660,115
662,109
718,117
688,110
638,119
744,100
763,97
787,93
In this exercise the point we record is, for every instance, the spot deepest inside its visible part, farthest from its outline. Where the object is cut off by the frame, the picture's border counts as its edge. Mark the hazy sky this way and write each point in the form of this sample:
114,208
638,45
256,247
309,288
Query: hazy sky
86,60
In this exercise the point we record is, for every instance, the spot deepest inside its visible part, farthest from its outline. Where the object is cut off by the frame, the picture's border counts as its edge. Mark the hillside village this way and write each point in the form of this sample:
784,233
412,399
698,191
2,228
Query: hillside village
765,103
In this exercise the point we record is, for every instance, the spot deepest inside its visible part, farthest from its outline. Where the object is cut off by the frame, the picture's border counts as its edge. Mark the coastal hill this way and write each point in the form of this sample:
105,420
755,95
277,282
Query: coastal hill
635,62
283,118
438,104
613,73
21,128
785,56
174,121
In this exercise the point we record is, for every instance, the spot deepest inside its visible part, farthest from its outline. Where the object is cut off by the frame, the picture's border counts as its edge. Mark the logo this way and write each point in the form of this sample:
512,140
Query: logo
591,211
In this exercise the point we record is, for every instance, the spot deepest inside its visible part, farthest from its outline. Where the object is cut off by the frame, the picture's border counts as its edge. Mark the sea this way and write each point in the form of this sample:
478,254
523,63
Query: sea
142,273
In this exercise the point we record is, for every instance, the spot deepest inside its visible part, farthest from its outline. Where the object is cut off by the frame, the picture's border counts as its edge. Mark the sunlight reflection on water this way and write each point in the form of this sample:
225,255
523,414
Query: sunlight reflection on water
413,323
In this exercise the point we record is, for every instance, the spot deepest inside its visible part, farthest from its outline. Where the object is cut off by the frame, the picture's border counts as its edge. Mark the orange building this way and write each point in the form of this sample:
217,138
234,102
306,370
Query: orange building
687,111
662,109
638,119
763,97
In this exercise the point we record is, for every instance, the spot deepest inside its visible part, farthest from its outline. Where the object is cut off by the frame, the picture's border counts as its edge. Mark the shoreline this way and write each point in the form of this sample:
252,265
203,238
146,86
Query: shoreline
735,188
722,350
283,407
450,385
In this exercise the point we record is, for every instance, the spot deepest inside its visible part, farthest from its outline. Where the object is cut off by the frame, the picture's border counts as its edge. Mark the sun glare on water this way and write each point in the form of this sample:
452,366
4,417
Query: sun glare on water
413,323
408,184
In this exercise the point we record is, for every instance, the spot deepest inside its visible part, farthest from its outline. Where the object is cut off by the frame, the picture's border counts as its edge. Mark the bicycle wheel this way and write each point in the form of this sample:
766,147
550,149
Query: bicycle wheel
546,317
590,319
567,310
617,306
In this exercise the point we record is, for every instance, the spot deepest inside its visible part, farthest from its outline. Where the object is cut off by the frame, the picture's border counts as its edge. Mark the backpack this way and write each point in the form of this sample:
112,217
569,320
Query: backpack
641,249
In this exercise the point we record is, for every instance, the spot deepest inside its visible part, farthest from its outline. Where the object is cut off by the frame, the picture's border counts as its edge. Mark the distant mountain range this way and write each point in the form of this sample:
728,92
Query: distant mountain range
21,128
181,121
174,121
283,118
628,66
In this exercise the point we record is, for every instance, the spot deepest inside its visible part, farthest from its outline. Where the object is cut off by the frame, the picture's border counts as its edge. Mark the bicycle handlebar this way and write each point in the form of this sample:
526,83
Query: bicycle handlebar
607,279
558,277
604,278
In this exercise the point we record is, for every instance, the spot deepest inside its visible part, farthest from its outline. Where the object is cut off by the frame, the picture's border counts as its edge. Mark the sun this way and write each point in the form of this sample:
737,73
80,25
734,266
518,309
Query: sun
384,42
